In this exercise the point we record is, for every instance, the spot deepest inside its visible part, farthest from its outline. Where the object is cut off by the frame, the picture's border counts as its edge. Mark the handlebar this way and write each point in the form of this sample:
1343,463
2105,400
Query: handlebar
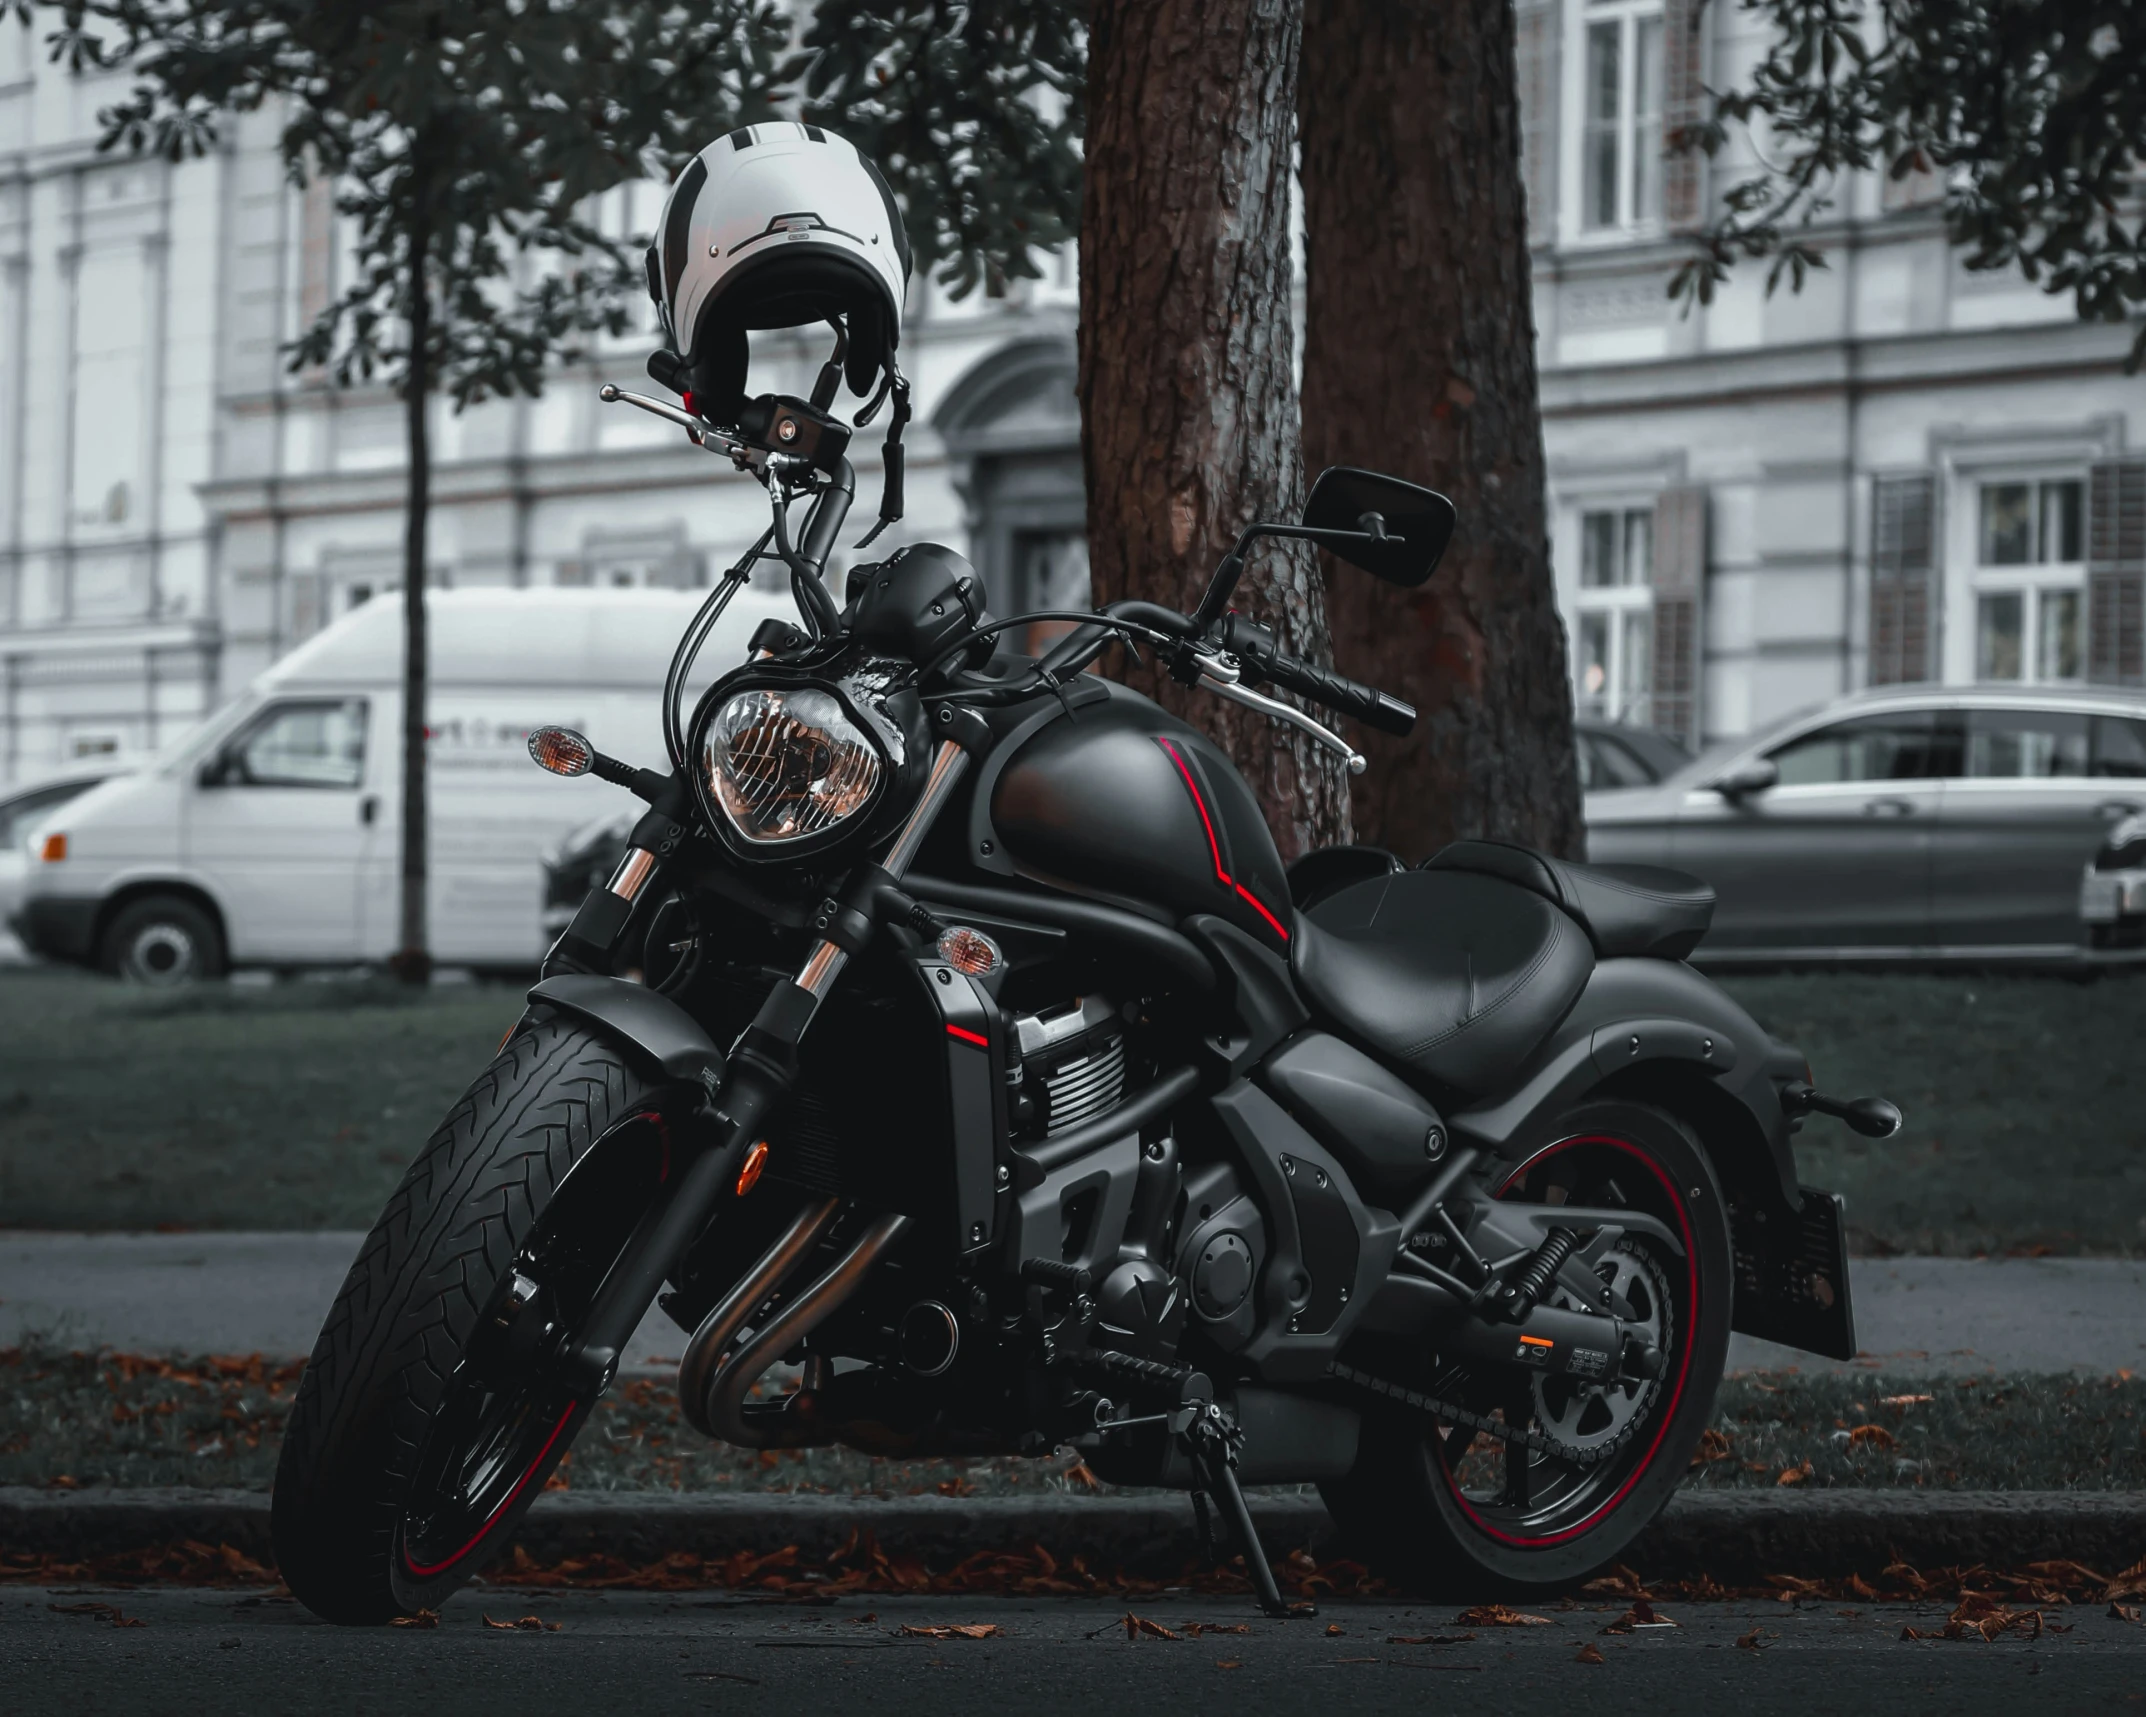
1264,659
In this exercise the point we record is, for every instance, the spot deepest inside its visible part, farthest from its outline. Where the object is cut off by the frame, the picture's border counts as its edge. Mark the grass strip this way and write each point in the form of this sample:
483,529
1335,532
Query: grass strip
72,1419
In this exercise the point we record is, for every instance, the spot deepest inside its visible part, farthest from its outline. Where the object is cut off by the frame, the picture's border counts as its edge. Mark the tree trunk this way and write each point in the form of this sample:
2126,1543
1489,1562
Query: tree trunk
1419,360
413,959
1189,424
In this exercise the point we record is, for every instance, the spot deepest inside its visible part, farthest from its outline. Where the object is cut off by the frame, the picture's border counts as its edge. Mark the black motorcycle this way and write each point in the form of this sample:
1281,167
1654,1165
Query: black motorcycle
952,1032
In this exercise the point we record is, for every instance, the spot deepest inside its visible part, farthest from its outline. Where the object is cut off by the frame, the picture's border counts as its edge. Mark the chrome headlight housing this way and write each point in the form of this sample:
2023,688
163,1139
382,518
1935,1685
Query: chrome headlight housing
791,767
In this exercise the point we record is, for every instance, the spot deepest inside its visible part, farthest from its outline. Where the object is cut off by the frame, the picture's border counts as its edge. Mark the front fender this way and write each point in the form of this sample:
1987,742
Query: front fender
651,1027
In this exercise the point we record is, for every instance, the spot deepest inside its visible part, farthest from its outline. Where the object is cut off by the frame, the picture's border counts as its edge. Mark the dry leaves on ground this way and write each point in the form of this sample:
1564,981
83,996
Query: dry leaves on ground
1228,1663
1641,1615
1713,1446
951,1630
1590,1653
423,1619
1498,1616
1193,1630
2131,1583
1869,1437
110,1613
1619,1582
1980,1616
1794,1475
1755,1640
525,1625
1135,1627
2123,1612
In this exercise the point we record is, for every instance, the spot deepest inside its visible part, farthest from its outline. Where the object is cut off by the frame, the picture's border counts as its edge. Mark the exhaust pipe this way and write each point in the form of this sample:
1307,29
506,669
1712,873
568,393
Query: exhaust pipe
704,1353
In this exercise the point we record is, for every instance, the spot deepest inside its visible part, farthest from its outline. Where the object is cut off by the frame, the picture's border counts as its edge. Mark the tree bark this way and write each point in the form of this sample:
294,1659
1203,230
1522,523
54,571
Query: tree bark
1189,424
413,957
1419,360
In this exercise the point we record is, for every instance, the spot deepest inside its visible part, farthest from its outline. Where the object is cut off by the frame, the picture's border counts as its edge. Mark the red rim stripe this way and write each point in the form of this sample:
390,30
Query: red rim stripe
1214,847
427,1570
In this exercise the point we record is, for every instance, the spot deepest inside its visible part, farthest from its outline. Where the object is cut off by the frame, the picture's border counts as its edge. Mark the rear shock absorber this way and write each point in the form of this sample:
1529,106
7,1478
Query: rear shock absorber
1516,1296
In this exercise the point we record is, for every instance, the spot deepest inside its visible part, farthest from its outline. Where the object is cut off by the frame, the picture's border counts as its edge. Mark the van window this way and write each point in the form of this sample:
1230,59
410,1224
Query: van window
301,745
1908,745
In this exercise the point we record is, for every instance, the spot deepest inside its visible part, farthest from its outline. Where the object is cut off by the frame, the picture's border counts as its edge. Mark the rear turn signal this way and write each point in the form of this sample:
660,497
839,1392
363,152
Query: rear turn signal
54,850
755,1161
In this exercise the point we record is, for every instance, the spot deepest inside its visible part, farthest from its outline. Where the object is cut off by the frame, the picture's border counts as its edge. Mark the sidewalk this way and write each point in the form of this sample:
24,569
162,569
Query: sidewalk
267,1293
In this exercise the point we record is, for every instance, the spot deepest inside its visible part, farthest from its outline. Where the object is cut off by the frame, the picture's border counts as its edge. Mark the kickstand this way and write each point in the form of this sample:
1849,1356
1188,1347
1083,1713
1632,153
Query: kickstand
1214,1452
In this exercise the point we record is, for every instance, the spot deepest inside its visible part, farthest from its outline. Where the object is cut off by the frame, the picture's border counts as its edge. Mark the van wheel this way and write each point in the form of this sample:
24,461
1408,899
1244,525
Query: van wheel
163,941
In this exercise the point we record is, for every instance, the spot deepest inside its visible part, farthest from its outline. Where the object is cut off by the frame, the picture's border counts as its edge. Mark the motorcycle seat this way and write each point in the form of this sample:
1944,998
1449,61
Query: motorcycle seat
1448,975
1639,909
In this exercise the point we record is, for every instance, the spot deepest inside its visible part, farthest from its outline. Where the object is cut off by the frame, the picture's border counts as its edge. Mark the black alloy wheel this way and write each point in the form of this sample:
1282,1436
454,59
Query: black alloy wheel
1570,1470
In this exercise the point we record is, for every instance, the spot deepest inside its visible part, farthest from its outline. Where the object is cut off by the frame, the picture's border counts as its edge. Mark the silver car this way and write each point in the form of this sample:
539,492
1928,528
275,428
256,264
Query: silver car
1911,823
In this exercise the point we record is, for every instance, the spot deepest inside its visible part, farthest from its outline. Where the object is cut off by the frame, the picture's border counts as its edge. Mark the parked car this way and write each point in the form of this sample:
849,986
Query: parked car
1908,823
2112,895
29,803
271,834
1613,755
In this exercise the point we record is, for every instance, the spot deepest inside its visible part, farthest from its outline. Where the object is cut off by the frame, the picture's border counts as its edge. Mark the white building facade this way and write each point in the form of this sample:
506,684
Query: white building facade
1905,471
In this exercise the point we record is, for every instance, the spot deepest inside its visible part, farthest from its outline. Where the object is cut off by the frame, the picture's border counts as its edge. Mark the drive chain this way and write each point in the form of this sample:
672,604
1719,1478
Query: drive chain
1448,1413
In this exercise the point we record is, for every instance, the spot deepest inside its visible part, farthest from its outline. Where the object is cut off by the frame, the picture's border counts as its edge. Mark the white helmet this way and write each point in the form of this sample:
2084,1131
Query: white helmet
778,226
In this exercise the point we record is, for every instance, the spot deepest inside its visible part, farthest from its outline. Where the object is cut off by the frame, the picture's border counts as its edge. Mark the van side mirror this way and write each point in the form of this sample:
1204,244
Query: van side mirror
216,772
1752,777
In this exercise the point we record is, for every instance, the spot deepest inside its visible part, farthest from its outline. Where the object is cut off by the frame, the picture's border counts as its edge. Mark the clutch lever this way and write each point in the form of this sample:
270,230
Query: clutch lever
1220,675
704,434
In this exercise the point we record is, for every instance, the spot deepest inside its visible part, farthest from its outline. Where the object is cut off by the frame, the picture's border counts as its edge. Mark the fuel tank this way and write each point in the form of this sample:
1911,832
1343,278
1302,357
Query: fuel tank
1118,798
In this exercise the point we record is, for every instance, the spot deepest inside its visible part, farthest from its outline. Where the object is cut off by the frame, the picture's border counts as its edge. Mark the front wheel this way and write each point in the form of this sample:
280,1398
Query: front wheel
428,1418
1536,1481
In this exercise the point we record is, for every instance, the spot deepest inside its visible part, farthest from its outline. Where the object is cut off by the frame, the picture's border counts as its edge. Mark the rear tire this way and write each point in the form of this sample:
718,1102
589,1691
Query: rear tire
382,1370
1419,1504
162,940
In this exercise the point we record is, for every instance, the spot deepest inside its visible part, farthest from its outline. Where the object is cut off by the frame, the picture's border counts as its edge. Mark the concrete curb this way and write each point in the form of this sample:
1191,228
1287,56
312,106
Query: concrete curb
1734,1536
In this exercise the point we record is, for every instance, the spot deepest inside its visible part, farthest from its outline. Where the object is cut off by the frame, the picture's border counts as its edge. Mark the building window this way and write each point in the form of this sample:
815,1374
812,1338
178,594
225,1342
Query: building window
2029,579
1620,102
1614,665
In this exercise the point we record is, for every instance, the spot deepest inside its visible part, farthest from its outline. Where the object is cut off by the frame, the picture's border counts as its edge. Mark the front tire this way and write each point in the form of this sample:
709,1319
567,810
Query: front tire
162,941
1437,1504
392,1430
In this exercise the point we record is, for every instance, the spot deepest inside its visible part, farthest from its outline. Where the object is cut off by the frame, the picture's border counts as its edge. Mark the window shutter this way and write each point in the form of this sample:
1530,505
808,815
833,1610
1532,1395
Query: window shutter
1536,40
1679,612
2116,573
1684,102
1902,530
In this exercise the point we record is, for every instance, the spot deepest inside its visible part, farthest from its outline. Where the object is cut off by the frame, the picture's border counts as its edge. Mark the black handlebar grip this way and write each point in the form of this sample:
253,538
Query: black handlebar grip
1255,645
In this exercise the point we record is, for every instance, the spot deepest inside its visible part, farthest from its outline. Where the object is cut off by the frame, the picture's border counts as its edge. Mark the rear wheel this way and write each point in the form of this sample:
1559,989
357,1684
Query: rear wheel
430,1415
162,940
1567,1472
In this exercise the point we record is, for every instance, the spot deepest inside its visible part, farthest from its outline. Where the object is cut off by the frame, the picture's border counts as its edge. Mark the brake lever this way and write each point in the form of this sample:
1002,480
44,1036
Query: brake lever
1221,675
704,434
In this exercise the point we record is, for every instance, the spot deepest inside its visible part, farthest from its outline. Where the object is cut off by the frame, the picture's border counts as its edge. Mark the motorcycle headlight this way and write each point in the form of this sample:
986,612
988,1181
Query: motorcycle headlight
787,764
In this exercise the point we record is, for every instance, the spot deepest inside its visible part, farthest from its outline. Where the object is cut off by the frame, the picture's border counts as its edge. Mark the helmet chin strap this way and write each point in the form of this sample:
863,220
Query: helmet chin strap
890,494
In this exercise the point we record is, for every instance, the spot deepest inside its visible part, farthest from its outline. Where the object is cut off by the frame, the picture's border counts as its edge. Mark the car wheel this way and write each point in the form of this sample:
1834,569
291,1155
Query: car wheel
163,941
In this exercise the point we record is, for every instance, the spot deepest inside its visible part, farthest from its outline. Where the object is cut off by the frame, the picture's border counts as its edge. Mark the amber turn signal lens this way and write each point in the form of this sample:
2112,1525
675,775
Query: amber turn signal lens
562,751
54,850
755,1161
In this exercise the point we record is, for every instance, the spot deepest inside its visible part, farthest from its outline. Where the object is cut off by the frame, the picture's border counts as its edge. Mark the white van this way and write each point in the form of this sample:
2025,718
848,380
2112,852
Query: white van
271,834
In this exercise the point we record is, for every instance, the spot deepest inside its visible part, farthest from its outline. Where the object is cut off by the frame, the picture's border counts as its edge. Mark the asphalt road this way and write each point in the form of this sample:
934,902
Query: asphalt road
224,1651
266,1293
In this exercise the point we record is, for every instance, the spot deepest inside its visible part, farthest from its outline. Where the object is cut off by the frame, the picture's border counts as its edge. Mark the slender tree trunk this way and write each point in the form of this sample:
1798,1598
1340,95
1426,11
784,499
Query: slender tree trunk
1189,423
1419,359
413,958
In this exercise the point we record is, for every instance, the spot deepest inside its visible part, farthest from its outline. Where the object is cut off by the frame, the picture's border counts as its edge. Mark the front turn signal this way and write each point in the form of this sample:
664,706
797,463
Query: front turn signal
54,851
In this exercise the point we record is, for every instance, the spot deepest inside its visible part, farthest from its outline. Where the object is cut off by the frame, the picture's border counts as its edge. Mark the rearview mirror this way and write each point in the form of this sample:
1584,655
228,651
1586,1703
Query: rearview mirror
1393,530
1752,777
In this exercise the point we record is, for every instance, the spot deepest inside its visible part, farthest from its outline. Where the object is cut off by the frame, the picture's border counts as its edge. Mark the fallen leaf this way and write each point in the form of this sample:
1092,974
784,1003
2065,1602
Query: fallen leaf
525,1625
1713,1446
956,1486
1619,1582
2131,1583
1590,1653
110,1613
1498,1616
955,1630
1193,1630
1870,1437
2123,1612
1228,1663
1903,1400
1428,1639
1755,1640
1794,1475
1079,1474
1333,1630
423,1619
1641,1615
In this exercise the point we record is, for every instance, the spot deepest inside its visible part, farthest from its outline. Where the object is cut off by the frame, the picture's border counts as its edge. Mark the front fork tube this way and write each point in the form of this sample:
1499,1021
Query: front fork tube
757,1080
